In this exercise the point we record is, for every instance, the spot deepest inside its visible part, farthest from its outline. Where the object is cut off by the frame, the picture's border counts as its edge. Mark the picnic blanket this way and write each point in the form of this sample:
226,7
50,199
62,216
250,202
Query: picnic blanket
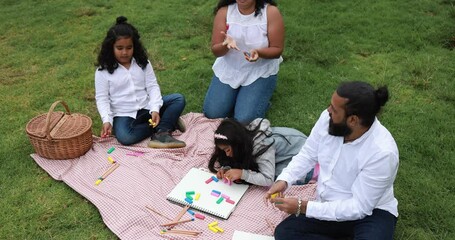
145,180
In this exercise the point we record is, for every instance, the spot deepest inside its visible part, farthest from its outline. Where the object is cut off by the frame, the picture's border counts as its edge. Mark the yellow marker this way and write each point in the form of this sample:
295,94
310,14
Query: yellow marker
213,224
213,229
110,159
98,182
197,196
219,229
274,195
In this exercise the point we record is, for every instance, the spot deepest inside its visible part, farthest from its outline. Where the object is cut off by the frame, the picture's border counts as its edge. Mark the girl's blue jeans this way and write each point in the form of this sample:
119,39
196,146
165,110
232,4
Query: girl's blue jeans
130,131
244,103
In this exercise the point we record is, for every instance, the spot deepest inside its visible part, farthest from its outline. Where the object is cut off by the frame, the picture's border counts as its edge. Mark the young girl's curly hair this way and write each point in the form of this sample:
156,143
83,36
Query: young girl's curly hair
121,29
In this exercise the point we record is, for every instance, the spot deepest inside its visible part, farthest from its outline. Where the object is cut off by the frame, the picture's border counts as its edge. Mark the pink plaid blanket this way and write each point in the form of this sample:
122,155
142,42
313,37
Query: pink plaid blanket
145,177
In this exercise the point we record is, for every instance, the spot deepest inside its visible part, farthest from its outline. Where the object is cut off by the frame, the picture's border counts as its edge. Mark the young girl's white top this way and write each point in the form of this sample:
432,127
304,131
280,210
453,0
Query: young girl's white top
126,91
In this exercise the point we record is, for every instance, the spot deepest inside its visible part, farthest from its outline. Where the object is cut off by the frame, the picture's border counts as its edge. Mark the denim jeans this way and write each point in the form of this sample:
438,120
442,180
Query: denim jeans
130,131
380,225
245,103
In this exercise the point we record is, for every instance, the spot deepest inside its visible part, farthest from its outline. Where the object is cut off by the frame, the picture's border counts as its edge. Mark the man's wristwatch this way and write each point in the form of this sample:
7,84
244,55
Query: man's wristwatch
298,207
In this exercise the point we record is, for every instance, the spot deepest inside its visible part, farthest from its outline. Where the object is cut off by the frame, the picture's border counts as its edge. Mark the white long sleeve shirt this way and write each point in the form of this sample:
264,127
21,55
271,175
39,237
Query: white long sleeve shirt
354,177
126,91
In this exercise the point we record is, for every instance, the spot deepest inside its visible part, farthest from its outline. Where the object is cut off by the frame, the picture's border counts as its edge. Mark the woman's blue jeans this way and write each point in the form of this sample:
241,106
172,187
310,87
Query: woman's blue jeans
129,131
245,103
380,225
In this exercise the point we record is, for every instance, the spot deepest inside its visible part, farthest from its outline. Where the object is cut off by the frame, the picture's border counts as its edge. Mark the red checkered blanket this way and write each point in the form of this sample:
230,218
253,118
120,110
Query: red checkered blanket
145,180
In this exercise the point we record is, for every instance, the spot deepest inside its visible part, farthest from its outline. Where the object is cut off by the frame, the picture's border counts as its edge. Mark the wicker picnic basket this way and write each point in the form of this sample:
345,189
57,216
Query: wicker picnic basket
59,135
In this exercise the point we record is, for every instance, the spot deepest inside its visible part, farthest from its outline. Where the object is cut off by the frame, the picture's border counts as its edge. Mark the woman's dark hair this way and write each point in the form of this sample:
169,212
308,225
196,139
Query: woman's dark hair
121,29
363,100
233,133
259,5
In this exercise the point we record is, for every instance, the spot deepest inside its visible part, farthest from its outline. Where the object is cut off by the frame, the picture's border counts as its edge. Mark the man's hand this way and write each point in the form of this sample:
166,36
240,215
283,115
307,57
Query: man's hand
289,205
276,189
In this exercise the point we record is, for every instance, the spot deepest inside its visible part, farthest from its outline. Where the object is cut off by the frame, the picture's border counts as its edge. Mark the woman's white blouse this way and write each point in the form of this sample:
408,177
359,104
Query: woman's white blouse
249,32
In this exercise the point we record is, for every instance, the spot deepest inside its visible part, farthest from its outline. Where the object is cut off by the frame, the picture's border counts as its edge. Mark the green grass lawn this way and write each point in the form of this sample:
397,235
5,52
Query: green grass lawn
48,50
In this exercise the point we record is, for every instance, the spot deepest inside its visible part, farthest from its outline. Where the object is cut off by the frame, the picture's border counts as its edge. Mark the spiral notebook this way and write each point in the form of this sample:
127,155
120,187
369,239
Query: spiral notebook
197,181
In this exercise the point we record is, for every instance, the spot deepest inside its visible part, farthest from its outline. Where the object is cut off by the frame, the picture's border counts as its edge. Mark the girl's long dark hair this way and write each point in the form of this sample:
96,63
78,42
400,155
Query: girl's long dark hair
241,140
121,29
259,5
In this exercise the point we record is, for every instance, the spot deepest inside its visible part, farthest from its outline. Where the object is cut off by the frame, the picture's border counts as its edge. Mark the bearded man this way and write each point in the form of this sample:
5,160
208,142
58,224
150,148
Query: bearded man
358,160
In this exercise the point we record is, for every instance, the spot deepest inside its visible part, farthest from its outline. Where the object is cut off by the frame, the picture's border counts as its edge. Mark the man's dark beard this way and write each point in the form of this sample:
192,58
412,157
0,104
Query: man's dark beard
339,129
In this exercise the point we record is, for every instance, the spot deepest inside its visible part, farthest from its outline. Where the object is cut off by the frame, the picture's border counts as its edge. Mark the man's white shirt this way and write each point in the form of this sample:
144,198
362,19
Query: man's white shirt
354,177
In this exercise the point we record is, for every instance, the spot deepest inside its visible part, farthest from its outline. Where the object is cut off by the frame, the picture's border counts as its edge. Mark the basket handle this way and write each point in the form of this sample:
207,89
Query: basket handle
48,118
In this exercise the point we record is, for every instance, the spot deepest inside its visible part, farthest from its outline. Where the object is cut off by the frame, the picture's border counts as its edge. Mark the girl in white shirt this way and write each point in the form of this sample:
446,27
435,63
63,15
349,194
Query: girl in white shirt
128,94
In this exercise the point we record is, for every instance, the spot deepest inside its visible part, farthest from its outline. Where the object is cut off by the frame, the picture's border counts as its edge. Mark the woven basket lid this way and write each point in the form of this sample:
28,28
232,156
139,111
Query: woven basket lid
37,125
61,125
71,126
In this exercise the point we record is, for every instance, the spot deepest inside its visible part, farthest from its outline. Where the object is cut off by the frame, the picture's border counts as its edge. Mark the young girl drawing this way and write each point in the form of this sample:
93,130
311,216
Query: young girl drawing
255,153
128,94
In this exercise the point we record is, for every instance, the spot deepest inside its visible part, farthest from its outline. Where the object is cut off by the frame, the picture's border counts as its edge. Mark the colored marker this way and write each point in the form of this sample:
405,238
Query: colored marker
110,159
208,180
199,216
189,201
111,150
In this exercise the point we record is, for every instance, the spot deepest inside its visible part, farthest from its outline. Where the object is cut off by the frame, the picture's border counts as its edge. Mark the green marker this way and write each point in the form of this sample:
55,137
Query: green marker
111,150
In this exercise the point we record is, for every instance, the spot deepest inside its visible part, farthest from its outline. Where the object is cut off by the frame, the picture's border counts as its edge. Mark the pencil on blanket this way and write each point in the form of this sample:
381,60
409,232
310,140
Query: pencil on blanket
177,222
107,173
271,226
179,216
184,231
181,232
153,210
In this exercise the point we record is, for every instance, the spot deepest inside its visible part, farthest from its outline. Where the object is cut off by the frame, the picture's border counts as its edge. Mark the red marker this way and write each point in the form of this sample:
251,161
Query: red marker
227,27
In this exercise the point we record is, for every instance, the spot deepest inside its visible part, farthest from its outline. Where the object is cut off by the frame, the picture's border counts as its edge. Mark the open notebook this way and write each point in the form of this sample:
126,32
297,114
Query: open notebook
197,181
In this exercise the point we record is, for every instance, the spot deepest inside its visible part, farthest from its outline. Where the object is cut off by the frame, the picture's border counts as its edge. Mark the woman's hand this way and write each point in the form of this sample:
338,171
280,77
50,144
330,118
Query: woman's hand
106,130
252,56
229,42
